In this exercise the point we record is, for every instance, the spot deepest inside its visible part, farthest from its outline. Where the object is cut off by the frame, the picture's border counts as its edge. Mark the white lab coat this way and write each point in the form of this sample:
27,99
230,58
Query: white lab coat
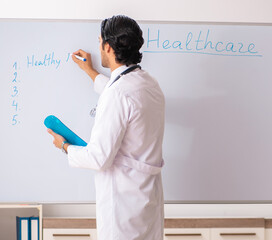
126,150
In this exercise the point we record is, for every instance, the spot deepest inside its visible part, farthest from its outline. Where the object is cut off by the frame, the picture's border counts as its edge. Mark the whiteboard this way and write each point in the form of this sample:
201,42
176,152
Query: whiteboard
217,84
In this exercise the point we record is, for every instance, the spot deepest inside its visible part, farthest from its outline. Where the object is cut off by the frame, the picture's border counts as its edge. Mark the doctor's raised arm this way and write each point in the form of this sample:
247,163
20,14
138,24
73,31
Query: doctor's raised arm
99,79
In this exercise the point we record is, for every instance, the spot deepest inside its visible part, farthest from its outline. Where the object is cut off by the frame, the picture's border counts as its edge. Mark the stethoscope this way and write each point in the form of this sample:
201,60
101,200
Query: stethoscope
93,111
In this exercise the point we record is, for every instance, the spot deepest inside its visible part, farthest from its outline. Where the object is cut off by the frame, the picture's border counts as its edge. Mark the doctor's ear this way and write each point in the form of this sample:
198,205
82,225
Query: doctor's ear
107,47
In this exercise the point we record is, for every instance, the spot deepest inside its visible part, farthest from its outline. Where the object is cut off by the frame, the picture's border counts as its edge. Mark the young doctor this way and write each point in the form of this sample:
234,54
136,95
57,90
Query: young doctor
125,146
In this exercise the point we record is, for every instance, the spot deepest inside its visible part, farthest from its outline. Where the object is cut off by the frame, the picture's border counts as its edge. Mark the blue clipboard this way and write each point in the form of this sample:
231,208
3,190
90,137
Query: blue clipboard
58,127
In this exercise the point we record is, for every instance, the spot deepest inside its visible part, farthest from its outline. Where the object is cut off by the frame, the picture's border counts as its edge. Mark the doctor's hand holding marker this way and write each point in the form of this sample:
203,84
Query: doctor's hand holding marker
125,146
87,65
80,58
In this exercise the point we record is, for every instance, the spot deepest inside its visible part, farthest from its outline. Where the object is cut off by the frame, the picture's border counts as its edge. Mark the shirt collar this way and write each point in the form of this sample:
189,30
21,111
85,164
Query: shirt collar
116,72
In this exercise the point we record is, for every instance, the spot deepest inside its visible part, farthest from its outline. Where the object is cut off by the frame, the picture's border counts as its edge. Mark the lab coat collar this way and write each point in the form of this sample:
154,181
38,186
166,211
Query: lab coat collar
116,72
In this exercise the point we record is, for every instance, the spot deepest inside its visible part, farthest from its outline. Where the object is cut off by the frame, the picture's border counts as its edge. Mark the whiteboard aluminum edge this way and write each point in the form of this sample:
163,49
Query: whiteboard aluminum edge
170,210
139,21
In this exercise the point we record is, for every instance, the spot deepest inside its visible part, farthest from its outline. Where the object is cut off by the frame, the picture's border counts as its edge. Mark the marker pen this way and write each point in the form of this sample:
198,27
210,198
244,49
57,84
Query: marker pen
80,58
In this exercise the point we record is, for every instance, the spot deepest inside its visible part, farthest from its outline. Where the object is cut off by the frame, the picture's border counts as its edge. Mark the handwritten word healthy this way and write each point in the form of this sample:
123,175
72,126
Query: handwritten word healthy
15,93
199,43
45,61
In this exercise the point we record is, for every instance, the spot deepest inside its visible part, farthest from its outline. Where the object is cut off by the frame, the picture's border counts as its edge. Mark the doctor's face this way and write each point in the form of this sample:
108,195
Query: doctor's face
104,57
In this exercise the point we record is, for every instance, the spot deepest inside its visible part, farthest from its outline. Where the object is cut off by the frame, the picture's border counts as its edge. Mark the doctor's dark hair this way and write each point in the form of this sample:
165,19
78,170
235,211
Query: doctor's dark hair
124,35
